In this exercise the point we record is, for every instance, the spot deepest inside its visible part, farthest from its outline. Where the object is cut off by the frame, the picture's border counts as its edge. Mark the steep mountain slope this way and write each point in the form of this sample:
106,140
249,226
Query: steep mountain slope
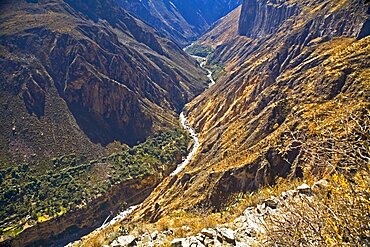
183,21
222,31
78,75
295,73
77,78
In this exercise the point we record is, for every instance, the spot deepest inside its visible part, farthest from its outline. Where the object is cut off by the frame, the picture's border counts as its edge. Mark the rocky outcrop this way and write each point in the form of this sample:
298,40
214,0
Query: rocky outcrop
248,229
113,77
73,225
263,17
179,20
365,29
272,89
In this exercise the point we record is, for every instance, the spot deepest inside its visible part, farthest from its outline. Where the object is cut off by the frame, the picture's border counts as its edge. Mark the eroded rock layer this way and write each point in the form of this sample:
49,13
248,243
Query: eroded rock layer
182,21
78,75
295,72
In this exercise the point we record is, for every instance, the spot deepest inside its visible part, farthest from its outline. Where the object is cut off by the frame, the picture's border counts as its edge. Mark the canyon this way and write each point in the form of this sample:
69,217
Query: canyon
182,21
271,96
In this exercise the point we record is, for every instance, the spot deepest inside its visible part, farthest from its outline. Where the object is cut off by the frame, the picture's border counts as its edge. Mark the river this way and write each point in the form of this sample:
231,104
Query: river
185,124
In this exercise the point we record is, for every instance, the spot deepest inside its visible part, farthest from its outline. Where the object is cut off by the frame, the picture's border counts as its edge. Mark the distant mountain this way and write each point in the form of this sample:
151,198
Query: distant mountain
183,21
292,69
78,78
78,75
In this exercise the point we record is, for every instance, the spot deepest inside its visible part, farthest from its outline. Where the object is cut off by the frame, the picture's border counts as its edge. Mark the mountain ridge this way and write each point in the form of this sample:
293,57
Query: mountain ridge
181,21
96,52
244,120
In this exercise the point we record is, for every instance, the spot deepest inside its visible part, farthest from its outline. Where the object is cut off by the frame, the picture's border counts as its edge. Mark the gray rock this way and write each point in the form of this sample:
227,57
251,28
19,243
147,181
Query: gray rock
261,208
284,195
209,232
209,242
227,234
146,239
291,193
185,228
321,185
201,237
241,233
240,221
168,232
271,203
154,235
194,242
304,189
179,242
115,244
128,240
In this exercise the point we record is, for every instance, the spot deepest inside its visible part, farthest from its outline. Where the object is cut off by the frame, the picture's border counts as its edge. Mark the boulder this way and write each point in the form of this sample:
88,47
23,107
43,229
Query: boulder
321,185
115,244
146,239
304,189
179,242
168,232
154,235
128,240
194,242
209,242
201,237
261,208
289,194
227,234
271,203
209,232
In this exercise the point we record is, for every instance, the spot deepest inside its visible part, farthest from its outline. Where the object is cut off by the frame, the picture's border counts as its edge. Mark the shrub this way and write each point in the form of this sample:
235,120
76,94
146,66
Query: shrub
340,215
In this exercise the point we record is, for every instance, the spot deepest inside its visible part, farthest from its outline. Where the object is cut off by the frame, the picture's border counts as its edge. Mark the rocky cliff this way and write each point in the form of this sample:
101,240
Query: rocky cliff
286,82
78,75
182,21
259,18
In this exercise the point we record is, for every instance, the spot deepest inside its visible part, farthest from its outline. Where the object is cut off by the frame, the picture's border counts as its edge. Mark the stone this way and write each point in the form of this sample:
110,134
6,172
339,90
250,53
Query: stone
194,242
304,189
227,234
321,185
261,208
146,238
271,203
200,237
178,242
185,228
154,235
209,242
209,232
284,195
115,244
128,240
291,193
168,232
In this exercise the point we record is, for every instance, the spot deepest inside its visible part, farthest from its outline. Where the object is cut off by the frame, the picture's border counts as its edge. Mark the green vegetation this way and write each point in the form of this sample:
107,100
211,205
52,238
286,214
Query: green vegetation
27,196
218,69
198,50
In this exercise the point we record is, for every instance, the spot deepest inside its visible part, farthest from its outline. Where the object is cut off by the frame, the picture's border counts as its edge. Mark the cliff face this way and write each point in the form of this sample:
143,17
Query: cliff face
71,226
260,18
301,71
182,21
78,75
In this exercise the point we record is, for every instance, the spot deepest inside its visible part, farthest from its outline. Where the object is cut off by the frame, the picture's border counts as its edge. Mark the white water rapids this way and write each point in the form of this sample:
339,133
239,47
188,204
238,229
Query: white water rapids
191,131
188,128
185,124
